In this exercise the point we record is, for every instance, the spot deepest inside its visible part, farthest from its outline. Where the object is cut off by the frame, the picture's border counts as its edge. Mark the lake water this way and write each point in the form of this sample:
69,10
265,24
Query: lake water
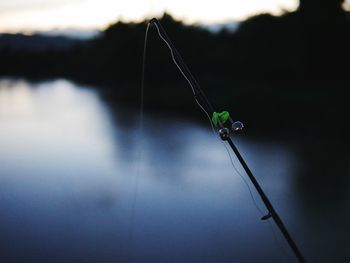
80,182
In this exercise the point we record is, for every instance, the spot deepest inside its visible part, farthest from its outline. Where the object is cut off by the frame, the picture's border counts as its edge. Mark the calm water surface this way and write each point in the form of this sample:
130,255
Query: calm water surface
81,183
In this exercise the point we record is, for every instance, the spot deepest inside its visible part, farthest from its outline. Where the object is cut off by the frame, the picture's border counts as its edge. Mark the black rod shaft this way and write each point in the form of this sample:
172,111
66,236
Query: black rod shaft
267,203
200,94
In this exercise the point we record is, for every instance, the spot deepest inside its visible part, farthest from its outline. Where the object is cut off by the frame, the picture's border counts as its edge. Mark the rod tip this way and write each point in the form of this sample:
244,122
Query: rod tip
153,20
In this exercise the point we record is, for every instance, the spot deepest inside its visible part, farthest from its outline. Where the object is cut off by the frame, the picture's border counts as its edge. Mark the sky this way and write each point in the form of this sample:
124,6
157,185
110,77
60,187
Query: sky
28,15
31,15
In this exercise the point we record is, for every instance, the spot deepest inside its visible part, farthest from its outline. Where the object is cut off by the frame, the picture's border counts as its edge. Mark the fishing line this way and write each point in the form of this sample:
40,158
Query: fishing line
207,114
140,153
211,124
224,134
244,180
183,74
277,241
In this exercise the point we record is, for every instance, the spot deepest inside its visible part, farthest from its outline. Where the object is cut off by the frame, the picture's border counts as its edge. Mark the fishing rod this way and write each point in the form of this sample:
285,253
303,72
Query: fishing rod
219,120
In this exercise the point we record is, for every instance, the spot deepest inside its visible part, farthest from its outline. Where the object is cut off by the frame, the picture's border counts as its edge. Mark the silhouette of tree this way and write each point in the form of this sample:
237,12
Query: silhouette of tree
322,7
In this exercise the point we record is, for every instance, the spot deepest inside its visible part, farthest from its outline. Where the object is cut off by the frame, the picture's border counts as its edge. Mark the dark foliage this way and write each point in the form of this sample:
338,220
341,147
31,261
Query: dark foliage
35,43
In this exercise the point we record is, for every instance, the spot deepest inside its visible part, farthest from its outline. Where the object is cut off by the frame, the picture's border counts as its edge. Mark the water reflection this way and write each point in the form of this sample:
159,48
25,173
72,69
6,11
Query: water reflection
67,182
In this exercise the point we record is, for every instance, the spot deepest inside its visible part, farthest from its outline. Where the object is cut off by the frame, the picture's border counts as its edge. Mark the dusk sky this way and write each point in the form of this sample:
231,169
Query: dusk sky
28,15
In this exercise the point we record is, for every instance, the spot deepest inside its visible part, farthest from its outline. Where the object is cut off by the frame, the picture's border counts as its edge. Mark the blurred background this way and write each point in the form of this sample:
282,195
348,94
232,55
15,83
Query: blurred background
80,181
